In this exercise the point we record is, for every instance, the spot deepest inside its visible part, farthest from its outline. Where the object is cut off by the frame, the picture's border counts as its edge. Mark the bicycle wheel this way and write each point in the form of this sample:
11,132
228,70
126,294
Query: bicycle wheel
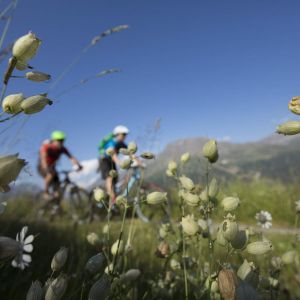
79,204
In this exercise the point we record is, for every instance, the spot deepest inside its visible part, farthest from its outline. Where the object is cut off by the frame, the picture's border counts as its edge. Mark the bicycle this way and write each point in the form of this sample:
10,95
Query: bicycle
79,199
133,188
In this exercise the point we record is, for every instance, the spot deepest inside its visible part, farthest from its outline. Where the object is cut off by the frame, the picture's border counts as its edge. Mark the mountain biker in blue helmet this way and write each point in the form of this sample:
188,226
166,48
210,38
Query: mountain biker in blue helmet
114,141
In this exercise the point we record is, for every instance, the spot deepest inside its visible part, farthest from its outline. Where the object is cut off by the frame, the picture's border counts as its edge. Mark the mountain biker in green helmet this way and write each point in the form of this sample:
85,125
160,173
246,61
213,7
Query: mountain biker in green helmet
115,141
50,152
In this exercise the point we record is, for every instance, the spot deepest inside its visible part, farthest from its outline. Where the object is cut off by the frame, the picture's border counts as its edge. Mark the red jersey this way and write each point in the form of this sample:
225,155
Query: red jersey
53,152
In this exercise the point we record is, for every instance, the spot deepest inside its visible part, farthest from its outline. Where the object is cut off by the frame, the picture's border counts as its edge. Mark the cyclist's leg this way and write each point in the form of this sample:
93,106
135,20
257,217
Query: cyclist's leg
106,164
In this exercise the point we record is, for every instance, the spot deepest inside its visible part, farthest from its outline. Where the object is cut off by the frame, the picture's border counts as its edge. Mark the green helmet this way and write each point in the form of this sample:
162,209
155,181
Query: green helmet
58,135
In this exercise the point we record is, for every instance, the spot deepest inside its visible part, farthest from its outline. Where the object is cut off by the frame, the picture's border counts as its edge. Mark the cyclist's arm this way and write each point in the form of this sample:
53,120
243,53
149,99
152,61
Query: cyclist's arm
44,160
73,160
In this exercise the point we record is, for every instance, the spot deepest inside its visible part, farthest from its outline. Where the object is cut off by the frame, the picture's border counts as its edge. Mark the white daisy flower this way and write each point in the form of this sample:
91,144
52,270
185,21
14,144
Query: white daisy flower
23,259
297,206
264,219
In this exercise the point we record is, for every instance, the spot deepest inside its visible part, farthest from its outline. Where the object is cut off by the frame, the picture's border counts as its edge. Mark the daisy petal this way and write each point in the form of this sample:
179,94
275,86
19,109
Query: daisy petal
26,258
28,248
14,263
23,233
29,239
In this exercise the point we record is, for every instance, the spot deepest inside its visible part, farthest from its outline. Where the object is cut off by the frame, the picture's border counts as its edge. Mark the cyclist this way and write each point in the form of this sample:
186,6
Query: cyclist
50,153
115,141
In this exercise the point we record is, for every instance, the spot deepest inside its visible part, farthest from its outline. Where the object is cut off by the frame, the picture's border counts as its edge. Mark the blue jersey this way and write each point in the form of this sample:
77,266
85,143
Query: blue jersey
110,142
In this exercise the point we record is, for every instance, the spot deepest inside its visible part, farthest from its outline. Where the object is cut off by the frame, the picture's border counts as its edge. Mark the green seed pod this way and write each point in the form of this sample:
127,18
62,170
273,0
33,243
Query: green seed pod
290,257
289,128
229,229
210,151
185,157
191,199
187,183
118,246
259,248
12,104
130,276
132,147
96,264
57,288
26,47
172,166
93,239
213,188
156,198
59,259
35,292
147,155
125,164
248,272
100,290
10,168
294,105
35,104
174,264
189,225
221,239
99,194
240,241
230,203
37,76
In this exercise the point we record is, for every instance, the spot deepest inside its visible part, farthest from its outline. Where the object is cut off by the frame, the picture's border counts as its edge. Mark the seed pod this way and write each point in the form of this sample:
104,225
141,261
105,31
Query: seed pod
290,257
221,239
189,225
118,246
132,147
229,229
213,188
130,276
245,291
248,272
294,105
289,128
20,65
172,166
125,164
110,151
96,264
204,197
12,104
174,264
10,168
240,241
105,229
214,287
227,284
210,151
35,104
185,157
113,173
156,198
59,259
230,203
100,289
124,151
187,183
9,248
259,248
169,173
57,288
37,76
99,194
191,199
35,292
93,239
147,155
26,47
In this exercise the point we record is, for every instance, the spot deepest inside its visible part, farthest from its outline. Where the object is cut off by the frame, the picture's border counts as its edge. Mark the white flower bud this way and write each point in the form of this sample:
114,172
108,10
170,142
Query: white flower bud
35,292
290,257
125,164
156,198
118,246
59,259
172,166
37,76
132,147
95,264
189,225
147,155
229,229
210,151
99,194
35,104
130,276
187,183
185,157
248,272
230,203
259,248
93,238
190,199
26,47
174,264
12,104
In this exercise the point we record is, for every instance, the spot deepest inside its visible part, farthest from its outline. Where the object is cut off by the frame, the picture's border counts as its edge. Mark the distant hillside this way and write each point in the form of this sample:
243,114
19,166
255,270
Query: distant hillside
275,157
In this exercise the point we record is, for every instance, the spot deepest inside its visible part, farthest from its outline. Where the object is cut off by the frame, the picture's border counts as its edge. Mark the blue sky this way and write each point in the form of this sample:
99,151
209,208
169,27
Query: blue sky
206,68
